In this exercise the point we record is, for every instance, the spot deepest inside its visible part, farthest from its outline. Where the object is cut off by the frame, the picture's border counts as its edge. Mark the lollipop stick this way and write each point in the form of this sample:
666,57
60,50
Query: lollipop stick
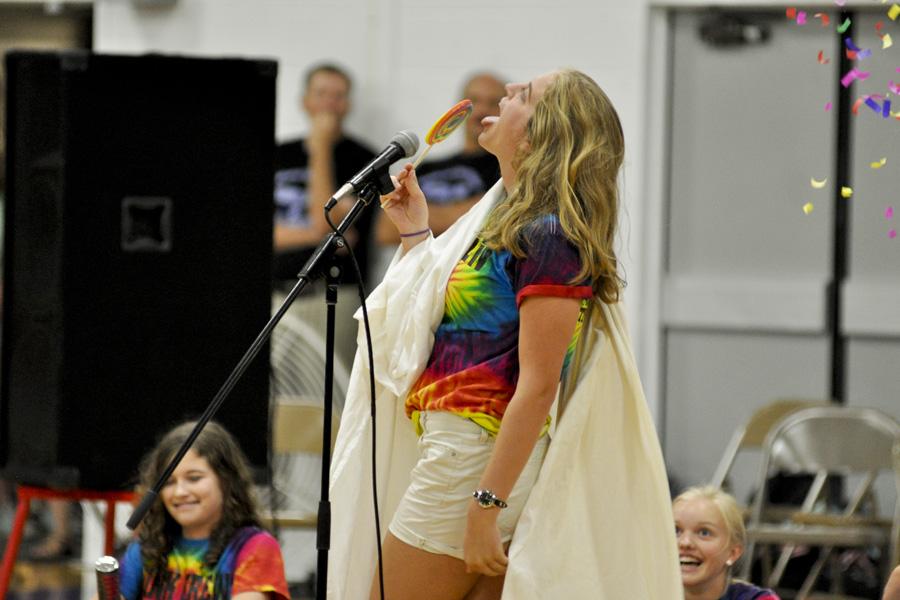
421,156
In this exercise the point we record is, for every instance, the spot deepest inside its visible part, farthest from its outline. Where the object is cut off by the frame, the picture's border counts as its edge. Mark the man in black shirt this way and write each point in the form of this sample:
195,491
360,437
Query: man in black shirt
308,171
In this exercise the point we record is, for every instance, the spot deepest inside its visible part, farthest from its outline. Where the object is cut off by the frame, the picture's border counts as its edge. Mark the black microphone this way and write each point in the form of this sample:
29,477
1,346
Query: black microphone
403,145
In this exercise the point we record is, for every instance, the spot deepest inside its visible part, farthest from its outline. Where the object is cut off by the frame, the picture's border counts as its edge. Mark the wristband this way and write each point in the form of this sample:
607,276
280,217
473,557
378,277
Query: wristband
415,233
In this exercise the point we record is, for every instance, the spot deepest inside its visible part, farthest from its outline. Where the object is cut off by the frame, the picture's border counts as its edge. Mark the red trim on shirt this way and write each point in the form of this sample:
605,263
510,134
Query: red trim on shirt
556,290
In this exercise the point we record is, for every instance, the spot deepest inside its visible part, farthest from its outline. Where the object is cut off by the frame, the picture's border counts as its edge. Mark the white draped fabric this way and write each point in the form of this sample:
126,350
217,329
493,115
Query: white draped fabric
598,524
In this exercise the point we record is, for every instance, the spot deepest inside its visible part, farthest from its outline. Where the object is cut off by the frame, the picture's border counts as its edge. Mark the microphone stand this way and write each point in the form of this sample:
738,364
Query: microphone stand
315,268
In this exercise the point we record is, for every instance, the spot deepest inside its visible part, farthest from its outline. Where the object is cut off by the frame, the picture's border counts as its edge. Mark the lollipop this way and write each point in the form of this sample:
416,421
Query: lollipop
446,125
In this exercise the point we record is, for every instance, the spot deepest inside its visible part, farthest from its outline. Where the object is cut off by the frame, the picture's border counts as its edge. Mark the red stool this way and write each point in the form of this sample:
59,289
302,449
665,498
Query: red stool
27,493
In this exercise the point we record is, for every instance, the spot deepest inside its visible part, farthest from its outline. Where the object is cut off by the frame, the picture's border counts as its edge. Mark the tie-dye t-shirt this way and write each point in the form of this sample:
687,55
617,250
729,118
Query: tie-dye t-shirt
474,364
251,562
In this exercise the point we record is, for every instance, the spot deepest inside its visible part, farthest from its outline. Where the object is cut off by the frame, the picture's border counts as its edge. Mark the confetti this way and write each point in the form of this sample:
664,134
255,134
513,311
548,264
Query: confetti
886,41
894,12
824,17
801,18
878,26
870,102
886,109
894,88
827,106
791,13
816,183
846,192
889,212
808,207
844,26
849,43
892,233
822,59
851,54
864,54
852,74
878,163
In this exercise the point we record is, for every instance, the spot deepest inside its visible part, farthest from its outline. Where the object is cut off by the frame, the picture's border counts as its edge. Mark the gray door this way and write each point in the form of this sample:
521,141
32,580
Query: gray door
744,297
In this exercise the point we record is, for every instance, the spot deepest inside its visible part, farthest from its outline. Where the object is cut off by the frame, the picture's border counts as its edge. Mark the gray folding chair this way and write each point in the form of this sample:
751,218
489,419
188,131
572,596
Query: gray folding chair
858,444
752,434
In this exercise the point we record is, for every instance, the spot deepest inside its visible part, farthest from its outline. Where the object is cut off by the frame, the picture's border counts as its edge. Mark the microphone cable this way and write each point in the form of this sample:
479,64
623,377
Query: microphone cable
362,299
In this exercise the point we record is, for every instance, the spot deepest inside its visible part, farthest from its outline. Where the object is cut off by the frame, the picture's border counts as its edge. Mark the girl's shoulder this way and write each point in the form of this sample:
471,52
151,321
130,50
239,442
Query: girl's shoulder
251,540
742,590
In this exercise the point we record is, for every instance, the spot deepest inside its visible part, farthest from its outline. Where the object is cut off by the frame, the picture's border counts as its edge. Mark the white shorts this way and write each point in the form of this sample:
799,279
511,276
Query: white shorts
453,453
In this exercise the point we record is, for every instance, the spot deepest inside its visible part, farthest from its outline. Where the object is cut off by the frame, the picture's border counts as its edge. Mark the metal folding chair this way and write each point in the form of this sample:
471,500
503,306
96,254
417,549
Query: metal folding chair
752,434
857,444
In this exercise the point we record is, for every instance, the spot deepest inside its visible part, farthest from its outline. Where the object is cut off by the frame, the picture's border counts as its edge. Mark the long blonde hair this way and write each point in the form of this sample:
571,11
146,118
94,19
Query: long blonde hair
569,169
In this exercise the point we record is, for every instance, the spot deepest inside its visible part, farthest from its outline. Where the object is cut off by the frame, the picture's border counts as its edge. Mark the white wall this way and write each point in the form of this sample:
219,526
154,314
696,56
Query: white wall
409,57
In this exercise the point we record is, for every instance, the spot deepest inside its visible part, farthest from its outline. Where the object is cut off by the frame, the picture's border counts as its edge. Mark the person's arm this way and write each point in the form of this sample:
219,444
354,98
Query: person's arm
259,570
546,326
288,237
323,136
892,589
440,218
407,209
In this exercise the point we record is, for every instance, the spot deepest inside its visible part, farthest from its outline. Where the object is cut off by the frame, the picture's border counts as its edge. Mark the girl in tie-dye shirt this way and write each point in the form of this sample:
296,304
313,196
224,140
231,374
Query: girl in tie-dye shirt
474,364
203,538
512,315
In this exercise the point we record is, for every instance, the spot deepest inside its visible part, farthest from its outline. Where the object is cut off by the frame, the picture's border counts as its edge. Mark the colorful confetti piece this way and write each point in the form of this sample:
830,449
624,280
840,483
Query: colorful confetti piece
894,88
864,54
801,18
894,12
808,207
846,192
889,212
791,12
853,74
844,26
892,233
878,163
825,19
849,43
821,58
886,41
816,183
827,106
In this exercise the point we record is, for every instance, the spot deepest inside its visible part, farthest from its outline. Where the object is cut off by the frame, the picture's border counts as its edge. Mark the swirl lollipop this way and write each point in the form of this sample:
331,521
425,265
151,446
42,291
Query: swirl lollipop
446,125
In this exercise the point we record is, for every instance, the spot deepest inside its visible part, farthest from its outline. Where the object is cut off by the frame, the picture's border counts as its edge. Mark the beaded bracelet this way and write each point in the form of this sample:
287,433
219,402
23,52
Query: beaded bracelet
415,233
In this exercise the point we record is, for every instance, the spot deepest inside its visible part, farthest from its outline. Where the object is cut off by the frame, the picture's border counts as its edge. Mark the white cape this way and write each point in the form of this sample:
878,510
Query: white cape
598,524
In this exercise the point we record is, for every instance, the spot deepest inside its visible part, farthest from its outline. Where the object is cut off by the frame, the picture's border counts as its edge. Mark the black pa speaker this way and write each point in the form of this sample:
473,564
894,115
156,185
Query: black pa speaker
137,257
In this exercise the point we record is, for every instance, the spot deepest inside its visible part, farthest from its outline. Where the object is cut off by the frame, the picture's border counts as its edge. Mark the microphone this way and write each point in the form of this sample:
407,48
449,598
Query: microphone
403,145
107,569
